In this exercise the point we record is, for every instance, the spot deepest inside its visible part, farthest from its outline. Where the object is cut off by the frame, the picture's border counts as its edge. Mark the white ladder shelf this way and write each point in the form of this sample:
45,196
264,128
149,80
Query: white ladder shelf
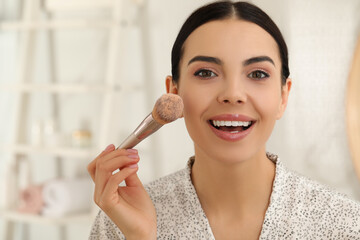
28,27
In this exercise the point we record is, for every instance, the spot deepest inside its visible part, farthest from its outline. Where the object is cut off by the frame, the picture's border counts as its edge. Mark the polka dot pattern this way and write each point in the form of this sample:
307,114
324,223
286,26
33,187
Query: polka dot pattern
299,209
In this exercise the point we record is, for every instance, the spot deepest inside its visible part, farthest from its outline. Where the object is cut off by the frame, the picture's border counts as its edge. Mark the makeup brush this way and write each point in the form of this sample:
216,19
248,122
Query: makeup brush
168,108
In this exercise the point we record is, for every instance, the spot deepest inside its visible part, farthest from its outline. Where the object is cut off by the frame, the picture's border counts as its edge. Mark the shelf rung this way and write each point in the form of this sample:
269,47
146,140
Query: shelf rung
13,215
56,24
67,88
66,5
75,5
55,151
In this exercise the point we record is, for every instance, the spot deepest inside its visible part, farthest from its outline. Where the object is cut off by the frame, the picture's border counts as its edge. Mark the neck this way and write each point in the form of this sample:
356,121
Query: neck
233,190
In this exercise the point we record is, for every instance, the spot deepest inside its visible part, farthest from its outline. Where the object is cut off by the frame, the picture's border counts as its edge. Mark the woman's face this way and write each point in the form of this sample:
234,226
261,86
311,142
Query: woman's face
230,74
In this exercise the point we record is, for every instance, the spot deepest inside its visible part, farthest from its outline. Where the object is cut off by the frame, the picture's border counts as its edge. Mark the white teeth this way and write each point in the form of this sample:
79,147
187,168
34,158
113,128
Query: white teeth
230,123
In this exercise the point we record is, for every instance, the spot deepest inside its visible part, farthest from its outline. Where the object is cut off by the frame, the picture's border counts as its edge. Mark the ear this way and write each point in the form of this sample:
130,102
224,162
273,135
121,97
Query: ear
171,87
285,90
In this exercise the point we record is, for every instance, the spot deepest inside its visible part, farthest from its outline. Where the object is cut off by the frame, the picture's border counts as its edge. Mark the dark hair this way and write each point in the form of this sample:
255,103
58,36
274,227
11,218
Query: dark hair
224,10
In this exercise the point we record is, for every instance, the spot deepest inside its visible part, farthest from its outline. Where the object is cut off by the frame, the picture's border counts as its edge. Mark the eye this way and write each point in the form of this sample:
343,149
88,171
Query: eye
258,74
205,73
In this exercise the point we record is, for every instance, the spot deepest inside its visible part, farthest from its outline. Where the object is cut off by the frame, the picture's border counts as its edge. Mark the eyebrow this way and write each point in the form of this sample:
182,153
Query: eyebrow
258,59
219,62
206,59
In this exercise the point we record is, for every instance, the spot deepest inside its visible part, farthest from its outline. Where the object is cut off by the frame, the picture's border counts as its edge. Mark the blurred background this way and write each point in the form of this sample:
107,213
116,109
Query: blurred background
77,75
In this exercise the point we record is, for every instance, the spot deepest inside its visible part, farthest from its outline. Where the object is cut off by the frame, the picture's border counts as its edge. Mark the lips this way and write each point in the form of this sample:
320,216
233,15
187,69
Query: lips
231,127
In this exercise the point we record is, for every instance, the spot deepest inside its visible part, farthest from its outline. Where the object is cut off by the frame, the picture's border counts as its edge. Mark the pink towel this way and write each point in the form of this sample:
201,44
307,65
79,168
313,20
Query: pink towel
31,200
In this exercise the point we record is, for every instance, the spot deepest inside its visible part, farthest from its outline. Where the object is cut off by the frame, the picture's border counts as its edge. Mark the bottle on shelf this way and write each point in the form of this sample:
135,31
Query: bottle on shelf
82,137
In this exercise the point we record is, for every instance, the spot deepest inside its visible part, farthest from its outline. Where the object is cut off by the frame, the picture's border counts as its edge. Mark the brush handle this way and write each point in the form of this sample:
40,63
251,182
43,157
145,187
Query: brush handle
147,127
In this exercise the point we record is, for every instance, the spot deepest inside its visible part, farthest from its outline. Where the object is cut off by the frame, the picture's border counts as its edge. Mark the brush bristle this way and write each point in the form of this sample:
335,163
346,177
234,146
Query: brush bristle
168,108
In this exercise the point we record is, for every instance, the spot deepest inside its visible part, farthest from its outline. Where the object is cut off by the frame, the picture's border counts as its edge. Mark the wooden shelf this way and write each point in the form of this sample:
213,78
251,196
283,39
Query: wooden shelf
15,216
55,151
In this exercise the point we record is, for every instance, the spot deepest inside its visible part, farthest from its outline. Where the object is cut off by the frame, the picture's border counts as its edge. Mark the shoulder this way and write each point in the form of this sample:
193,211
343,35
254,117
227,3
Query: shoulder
170,184
309,207
166,194
178,210
179,213
313,194
174,188
170,193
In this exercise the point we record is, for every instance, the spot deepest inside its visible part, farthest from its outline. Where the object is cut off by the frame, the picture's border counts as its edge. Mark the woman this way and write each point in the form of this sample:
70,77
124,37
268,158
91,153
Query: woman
230,66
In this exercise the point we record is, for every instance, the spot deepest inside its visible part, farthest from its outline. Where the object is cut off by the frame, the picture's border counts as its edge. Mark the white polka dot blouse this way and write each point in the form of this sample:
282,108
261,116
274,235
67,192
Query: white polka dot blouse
299,208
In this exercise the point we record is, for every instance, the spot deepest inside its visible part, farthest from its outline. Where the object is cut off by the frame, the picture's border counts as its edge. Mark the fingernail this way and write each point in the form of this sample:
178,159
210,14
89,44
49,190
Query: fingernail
109,147
130,150
134,156
133,165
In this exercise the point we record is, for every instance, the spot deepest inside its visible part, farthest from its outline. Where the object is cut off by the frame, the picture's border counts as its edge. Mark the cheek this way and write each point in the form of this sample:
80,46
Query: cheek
197,100
268,103
192,104
194,98
192,112
189,107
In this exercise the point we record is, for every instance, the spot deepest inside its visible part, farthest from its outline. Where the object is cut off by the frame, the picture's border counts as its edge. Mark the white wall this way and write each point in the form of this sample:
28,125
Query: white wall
311,137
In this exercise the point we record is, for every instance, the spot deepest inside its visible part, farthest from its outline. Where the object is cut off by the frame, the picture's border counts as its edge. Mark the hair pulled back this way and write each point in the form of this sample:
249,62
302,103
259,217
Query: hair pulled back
224,10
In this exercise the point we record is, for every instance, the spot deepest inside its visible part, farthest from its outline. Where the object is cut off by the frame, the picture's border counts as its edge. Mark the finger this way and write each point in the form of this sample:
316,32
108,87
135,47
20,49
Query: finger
108,154
133,180
118,163
112,185
92,165
118,153
113,154
105,170
108,149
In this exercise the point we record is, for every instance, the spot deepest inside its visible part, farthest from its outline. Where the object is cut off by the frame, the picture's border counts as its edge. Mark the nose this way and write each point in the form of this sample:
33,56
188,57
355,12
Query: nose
233,92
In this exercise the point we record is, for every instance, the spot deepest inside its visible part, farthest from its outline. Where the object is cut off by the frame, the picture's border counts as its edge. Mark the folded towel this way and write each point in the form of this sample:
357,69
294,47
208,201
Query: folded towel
31,200
66,196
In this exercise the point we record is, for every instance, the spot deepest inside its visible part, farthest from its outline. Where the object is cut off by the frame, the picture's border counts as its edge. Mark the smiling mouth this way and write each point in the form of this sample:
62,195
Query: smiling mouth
231,126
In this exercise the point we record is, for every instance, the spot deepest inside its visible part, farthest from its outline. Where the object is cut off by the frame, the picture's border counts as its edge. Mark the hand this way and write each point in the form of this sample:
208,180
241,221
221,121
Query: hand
129,207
